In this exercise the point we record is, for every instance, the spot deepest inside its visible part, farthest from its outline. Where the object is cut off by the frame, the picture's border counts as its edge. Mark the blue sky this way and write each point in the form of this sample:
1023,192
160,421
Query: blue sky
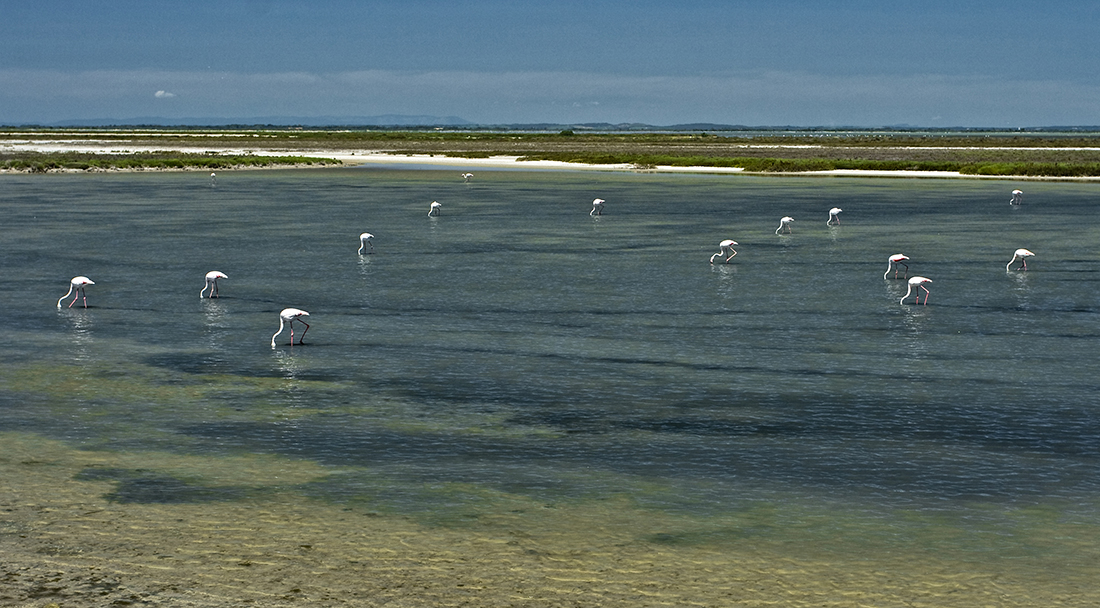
787,62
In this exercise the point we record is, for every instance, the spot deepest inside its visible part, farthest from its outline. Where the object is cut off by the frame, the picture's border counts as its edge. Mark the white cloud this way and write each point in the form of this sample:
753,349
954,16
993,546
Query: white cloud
162,94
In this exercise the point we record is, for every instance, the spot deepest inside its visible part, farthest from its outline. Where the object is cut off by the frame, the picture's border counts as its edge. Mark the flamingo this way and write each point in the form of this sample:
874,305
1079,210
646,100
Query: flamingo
1017,197
77,284
466,177
785,222
917,282
434,210
597,207
364,240
725,249
288,316
212,282
895,260
213,178
833,216
1022,255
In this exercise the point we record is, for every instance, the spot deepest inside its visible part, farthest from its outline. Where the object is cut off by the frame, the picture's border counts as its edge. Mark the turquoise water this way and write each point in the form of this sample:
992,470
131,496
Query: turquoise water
515,350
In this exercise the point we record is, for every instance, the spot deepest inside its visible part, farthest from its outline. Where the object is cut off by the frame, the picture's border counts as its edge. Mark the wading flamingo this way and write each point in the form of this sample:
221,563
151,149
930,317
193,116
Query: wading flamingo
288,316
1017,197
833,216
1022,255
366,239
212,282
726,250
785,222
898,259
597,207
434,209
77,284
213,178
918,283
466,176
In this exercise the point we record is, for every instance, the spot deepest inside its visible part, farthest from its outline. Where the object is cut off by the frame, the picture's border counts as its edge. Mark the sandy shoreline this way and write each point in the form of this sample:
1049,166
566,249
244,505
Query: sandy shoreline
374,157
67,542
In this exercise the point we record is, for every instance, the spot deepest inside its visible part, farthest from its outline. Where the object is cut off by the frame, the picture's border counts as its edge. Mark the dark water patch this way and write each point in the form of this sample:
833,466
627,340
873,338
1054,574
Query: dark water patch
884,468
199,363
147,487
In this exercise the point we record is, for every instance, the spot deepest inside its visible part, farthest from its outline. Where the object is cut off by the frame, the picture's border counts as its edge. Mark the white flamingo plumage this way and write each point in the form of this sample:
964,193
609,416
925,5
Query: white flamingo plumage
366,239
898,259
833,216
287,317
212,282
1022,255
597,206
77,284
725,249
434,209
1017,197
918,283
785,222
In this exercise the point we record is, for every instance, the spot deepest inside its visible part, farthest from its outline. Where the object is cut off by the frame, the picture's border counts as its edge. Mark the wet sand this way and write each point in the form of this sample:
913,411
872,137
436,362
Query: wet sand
66,543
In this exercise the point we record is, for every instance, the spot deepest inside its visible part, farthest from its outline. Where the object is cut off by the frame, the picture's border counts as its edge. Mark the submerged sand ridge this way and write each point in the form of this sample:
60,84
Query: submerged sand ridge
68,540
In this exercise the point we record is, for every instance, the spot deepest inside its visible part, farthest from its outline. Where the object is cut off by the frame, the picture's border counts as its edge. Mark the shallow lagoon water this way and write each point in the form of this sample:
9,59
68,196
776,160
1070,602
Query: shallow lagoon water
516,353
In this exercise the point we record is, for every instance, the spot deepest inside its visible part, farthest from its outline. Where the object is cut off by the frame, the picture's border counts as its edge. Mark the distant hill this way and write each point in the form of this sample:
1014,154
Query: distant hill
385,120
405,121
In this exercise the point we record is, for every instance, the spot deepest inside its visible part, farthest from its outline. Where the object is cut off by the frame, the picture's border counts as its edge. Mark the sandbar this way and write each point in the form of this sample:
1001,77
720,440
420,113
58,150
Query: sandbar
375,157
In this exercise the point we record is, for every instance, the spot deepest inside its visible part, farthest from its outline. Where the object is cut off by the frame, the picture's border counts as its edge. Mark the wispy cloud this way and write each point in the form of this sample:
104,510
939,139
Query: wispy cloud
763,98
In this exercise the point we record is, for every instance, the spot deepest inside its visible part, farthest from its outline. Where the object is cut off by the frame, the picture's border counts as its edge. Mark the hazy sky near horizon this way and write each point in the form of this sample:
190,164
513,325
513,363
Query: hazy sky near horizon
1010,63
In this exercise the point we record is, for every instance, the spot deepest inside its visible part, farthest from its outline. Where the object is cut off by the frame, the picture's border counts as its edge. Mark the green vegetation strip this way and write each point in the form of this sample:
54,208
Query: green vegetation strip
785,165
35,162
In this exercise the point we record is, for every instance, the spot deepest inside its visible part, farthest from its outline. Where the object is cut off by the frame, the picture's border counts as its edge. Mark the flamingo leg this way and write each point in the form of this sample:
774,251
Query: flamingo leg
926,294
75,296
303,332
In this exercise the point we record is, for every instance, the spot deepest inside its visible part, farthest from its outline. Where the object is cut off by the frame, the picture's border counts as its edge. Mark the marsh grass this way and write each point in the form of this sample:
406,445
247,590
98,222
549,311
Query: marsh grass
796,165
995,154
37,162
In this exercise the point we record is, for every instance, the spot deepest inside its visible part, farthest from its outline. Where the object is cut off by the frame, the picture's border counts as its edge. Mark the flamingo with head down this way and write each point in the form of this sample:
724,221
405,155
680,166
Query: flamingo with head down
287,317
785,222
77,284
918,283
1022,255
212,283
725,249
898,259
597,206
833,216
434,209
